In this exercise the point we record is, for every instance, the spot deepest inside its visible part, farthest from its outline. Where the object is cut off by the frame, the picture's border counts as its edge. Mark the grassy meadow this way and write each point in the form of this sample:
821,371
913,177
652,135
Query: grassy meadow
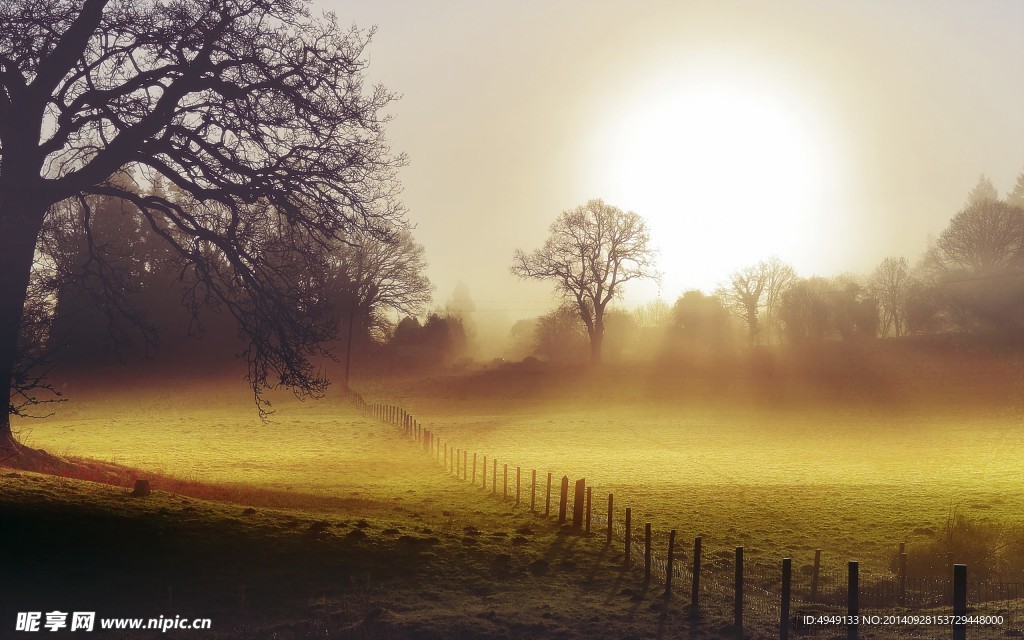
327,523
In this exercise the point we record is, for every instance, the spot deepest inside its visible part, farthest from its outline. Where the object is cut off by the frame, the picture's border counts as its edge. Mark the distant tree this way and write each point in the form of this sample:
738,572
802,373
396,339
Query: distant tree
1016,196
700,322
984,191
742,296
370,277
591,252
976,267
758,287
560,336
439,341
890,285
653,315
984,238
778,277
252,109
804,311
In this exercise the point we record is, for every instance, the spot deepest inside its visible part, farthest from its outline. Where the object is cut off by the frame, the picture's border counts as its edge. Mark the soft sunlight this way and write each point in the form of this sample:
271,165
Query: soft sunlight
725,169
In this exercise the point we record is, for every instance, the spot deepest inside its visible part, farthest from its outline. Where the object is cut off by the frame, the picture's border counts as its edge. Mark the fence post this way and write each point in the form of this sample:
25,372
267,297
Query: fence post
445,461
669,562
533,490
504,482
590,491
611,499
787,577
903,578
483,475
563,500
456,461
578,496
852,603
695,591
815,574
629,537
519,485
959,601
473,480
647,553
494,475
737,610
547,498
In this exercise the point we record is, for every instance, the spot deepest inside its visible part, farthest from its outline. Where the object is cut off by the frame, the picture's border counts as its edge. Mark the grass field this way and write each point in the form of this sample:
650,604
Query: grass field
780,456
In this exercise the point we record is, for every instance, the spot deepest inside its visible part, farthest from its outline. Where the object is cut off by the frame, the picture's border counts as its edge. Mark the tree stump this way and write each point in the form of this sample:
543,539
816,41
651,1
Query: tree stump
141,489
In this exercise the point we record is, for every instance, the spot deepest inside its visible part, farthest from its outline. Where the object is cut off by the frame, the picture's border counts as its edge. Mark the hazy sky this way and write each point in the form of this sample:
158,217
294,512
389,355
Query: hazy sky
832,134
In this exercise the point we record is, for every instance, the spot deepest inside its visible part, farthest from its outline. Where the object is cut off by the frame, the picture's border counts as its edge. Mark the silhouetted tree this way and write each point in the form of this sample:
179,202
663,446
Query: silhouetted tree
437,342
560,337
590,253
977,266
371,276
252,109
755,287
890,285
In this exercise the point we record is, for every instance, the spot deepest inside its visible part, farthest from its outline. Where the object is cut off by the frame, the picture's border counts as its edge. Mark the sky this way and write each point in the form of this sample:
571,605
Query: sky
831,133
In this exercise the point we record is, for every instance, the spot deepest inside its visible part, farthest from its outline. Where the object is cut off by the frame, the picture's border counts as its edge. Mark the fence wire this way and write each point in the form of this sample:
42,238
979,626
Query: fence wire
890,606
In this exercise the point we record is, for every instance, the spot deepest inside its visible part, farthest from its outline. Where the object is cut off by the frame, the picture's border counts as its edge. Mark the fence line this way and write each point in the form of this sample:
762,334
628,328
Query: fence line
806,604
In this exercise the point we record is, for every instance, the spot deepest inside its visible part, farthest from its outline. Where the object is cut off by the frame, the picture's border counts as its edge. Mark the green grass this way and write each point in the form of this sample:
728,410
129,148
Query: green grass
779,454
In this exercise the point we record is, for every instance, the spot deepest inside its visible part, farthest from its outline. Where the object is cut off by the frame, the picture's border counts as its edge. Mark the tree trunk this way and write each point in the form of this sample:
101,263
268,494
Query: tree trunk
596,342
21,217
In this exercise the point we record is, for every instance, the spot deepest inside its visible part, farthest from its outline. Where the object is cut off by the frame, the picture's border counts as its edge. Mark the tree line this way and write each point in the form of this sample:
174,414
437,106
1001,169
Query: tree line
971,278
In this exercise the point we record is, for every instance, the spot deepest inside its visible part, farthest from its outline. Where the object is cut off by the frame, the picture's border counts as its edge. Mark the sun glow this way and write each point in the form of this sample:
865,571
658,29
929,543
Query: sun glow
726,170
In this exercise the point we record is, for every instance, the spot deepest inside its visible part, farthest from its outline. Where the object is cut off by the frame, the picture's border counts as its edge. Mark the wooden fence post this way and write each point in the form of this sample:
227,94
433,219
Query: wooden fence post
563,500
670,562
519,486
787,577
611,500
457,461
577,505
483,475
547,499
590,491
445,461
695,590
647,553
737,609
629,537
494,476
473,479
533,491
959,601
852,602
814,575
903,579
465,464
504,482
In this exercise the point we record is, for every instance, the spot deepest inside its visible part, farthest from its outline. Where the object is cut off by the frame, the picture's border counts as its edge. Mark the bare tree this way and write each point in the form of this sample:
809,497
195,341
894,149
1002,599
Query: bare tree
590,253
984,238
374,276
755,287
890,285
252,110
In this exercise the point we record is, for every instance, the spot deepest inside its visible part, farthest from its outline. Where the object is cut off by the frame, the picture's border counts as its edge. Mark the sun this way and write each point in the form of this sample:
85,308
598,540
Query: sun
727,170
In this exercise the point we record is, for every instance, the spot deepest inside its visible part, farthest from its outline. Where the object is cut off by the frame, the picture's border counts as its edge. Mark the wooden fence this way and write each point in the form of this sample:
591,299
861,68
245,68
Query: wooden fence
812,603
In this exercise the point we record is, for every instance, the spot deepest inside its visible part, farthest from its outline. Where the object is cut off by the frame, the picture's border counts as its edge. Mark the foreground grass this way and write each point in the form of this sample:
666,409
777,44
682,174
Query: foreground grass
416,554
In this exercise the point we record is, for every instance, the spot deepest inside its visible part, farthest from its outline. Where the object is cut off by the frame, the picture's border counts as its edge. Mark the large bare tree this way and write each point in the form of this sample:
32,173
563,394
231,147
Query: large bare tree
255,113
591,252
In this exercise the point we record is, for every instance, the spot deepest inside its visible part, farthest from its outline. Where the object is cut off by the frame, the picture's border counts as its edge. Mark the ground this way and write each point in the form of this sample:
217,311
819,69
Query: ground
328,523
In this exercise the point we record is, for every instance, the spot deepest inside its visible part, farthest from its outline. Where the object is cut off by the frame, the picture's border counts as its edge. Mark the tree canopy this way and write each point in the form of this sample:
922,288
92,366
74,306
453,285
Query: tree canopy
590,253
253,111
